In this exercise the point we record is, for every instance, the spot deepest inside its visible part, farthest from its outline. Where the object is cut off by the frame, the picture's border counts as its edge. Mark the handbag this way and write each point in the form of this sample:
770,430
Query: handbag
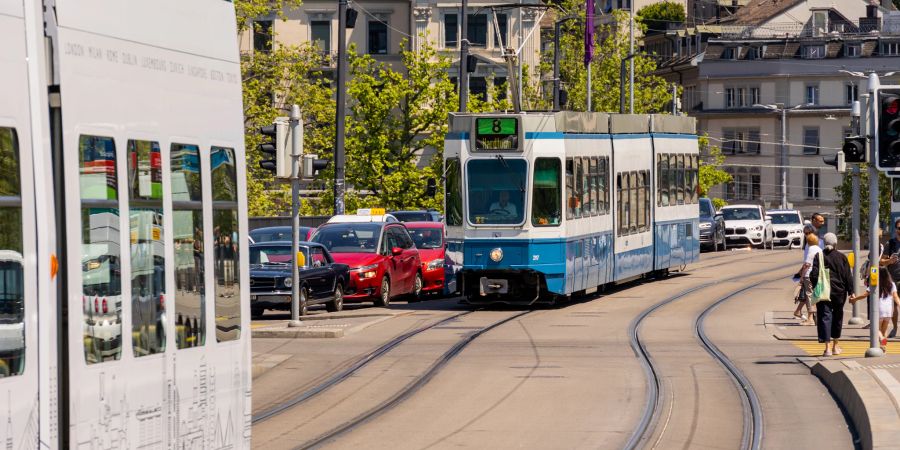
822,290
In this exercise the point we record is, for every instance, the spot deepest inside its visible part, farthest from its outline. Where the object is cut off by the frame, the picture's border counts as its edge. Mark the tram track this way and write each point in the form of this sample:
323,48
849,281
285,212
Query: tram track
752,427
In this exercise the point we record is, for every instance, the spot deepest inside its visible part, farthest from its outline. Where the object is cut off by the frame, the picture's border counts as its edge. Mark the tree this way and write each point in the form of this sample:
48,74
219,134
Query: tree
711,173
272,81
651,92
844,200
658,16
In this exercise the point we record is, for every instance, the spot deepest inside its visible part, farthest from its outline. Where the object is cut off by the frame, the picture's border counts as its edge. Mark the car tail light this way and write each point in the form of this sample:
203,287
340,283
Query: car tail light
105,306
96,305
162,301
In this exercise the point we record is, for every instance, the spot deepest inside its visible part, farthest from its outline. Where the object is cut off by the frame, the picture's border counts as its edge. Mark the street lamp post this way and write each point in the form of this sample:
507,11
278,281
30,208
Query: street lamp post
556,81
783,157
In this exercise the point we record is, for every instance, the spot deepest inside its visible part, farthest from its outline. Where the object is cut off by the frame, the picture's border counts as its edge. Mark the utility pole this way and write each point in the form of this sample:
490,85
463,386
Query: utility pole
340,116
674,99
783,156
854,215
463,56
631,52
622,82
874,347
296,155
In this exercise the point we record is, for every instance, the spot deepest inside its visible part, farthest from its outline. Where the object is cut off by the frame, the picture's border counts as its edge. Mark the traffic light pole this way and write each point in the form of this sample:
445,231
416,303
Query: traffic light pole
296,155
874,254
340,113
854,220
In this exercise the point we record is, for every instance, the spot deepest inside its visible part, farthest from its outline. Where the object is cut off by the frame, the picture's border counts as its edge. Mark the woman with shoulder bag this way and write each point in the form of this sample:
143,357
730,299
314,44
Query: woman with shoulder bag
833,282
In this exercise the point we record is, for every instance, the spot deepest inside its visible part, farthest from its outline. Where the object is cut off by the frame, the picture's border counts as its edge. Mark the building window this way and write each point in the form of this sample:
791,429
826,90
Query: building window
753,53
451,30
852,50
814,51
503,24
730,99
739,141
851,91
812,185
500,88
262,36
478,87
320,34
729,53
477,30
810,140
745,184
812,94
890,48
754,96
378,37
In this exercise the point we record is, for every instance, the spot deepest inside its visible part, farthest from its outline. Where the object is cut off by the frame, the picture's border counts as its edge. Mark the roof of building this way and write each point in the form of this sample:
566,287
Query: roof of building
758,12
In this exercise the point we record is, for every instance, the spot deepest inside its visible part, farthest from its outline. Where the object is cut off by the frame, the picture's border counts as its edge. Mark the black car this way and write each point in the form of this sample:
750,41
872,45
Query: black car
269,234
417,216
321,279
712,226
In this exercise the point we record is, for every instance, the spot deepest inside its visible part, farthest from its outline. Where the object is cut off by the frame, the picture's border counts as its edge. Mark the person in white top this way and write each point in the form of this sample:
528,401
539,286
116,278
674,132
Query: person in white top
809,255
503,206
888,301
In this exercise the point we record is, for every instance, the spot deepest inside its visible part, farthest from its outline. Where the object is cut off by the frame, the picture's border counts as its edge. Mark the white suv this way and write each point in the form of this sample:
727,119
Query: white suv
748,224
787,226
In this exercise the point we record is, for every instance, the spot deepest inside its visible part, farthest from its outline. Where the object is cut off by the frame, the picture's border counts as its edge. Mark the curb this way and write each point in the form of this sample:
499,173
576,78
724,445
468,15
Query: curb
322,331
868,397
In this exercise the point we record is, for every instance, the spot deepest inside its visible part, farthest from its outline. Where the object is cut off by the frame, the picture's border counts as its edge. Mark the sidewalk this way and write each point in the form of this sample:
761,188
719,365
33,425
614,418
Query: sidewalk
868,388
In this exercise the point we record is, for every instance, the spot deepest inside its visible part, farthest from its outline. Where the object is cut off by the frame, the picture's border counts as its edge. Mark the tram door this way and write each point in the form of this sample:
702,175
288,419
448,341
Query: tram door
19,377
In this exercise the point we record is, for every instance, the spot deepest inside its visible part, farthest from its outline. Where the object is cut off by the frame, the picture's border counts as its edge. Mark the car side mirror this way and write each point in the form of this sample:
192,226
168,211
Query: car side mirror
768,218
396,251
718,216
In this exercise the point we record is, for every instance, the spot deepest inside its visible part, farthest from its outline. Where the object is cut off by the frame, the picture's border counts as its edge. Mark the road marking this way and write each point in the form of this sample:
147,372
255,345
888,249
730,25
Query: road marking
854,349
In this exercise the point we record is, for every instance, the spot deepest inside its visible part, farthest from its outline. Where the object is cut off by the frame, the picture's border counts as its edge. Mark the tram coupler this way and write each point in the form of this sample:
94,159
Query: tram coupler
512,286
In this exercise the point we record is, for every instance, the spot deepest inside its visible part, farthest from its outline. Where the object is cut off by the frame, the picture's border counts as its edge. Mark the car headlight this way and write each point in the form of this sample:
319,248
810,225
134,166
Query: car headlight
758,227
704,226
496,255
367,271
435,264
288,282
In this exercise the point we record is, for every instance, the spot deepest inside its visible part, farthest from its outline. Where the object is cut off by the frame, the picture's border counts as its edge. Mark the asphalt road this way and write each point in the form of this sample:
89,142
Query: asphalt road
561,377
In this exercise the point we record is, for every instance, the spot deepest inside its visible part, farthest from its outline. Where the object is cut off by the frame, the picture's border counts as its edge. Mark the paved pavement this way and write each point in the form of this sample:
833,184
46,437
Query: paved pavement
563,377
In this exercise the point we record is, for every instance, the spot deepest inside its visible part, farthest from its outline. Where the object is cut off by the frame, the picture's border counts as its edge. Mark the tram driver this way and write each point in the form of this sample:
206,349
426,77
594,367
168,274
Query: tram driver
503,207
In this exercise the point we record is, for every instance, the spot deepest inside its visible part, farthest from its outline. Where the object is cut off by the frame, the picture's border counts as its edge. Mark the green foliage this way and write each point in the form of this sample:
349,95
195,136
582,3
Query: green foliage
844,200
651,93
657,16
711,173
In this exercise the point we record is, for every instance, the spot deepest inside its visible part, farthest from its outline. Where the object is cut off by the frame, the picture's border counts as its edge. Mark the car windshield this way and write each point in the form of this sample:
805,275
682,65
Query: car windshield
412,216
706,209
496,190
273,254
276,234
427,237
785,219
741,214
349,237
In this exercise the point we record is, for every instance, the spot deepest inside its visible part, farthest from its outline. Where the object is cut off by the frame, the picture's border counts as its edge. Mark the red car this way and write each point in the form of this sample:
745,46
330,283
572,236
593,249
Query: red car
429,239
384,262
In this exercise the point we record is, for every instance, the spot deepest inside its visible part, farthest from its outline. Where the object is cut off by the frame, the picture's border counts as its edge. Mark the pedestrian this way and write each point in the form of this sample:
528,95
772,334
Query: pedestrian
890,258
830,313
818,222
887,303
809,253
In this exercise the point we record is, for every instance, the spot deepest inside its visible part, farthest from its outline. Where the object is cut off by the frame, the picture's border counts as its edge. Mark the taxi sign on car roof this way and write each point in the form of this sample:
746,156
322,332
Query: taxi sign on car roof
370,212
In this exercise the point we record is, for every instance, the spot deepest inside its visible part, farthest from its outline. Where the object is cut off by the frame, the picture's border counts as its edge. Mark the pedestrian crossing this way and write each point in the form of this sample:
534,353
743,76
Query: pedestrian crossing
852,349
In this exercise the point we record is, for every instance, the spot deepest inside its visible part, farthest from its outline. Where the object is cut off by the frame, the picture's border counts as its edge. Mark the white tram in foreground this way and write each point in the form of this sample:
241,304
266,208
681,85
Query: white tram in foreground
124,315
541,206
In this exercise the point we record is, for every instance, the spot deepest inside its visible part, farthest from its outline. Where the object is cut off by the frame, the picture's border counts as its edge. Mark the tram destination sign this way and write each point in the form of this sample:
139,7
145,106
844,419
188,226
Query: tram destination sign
497,133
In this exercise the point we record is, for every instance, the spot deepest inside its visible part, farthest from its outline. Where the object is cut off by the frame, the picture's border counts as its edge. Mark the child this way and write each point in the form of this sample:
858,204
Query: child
887,298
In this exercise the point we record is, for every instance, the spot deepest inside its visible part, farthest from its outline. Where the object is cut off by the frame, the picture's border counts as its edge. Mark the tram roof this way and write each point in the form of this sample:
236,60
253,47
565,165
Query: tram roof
586,122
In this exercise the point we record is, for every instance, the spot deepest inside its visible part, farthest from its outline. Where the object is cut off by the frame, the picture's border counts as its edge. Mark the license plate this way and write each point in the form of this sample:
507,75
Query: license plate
494,286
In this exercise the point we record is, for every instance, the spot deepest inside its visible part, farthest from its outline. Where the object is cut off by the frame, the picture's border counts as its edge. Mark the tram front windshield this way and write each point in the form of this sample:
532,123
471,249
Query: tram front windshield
496,191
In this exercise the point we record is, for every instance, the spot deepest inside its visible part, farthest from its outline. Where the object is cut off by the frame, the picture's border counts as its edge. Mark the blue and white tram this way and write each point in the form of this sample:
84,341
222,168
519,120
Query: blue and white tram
124,313
544,205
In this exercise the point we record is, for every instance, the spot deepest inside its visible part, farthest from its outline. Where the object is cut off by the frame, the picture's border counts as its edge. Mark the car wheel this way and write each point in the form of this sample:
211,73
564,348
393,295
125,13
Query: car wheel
724,243
337,304
385,294
416,294
303,306
257,312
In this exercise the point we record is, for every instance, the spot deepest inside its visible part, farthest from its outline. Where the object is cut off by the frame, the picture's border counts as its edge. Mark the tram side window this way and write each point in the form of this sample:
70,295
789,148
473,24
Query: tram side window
546,206
603,183
642,200
570,189
593,186
12,272
100,249
453,193
620,206
187,237
695,187
680,179
148,264
227,243
663,179
634,202
648,197
673,184
579,188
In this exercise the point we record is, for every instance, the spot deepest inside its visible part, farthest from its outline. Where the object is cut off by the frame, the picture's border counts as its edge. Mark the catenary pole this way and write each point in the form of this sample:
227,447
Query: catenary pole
340,110
296,146
463,79
874,254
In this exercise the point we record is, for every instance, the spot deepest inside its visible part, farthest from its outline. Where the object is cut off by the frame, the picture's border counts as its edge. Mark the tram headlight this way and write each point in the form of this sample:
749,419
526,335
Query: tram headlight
288,282
496,255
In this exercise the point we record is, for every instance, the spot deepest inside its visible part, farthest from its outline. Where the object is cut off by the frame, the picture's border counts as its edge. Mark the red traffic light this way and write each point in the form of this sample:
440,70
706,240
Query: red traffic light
891,105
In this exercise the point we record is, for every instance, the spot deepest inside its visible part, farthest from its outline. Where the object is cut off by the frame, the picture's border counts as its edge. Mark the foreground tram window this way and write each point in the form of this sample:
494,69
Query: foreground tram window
100,249
227,243
187,235
546,210
148,261
12,279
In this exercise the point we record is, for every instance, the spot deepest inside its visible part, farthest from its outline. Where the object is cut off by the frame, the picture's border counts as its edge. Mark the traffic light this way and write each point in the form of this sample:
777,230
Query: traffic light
836,161
889,129
430,187
854,149
312,165
276,146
